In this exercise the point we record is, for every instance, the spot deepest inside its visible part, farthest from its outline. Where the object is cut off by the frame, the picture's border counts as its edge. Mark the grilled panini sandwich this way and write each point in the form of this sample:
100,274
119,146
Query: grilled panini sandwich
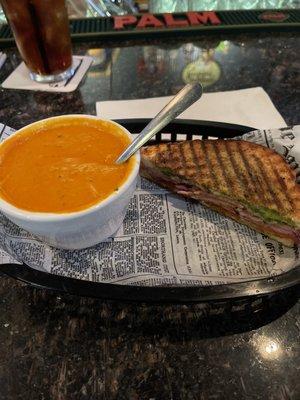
242,180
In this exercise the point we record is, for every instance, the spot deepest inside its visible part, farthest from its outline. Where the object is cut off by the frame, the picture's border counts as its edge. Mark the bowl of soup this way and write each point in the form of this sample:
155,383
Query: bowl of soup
60,182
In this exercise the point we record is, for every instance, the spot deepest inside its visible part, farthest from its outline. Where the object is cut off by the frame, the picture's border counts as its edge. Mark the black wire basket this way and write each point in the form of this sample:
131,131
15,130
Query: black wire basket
249,291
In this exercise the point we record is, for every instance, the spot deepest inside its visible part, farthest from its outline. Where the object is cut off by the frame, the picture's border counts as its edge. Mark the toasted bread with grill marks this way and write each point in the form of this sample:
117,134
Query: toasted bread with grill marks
242,171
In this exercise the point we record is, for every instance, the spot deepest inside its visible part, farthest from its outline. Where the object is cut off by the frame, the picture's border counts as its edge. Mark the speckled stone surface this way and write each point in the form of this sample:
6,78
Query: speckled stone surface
62,347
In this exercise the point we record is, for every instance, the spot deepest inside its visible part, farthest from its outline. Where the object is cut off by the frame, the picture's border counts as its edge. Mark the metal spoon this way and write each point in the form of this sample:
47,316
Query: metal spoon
183,100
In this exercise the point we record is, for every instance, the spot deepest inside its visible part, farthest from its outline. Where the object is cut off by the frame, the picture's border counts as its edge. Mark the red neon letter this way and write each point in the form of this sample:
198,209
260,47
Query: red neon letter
171,21
120,22
196,18
149,20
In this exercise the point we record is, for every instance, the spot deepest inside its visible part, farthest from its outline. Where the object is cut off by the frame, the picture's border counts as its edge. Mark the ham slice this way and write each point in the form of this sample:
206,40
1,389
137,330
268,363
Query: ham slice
239,213
226,206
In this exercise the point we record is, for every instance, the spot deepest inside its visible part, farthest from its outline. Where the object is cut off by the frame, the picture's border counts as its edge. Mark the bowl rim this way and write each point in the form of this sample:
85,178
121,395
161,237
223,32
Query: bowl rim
19,213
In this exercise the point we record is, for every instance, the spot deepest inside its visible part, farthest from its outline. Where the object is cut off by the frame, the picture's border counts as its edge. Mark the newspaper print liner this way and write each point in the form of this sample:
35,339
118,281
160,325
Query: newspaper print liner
166,240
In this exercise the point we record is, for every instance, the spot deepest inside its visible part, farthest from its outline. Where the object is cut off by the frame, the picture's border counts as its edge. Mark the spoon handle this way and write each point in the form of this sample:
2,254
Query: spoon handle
183,99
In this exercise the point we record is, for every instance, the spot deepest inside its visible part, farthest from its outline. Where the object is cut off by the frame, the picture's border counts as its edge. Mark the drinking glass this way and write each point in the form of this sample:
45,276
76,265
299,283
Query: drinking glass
41,31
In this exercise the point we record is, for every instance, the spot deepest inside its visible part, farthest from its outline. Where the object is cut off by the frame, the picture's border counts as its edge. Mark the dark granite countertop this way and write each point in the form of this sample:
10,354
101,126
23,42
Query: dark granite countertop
64,347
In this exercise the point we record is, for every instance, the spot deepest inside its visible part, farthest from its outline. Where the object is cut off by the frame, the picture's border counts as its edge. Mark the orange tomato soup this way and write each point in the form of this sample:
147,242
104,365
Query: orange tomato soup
63,166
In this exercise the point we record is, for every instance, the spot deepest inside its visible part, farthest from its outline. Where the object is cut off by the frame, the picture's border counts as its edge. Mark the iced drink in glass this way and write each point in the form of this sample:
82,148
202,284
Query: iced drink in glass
41,31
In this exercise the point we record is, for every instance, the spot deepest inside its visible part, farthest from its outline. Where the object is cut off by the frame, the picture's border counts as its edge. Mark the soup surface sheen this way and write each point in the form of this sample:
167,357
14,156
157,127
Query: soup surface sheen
63,165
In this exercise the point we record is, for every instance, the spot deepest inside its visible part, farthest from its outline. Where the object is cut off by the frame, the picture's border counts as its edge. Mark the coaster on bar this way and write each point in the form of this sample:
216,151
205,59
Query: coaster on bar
19,78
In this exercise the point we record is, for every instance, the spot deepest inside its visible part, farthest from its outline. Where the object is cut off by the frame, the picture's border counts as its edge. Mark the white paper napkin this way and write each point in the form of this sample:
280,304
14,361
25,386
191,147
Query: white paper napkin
19,78
251,107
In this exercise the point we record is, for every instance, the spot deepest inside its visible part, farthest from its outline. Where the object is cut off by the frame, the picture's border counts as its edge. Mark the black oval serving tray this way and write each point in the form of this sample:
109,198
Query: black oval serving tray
187,129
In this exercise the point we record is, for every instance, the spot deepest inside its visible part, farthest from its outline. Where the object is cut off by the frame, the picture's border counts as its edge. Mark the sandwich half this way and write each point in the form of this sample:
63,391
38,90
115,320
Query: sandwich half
244,181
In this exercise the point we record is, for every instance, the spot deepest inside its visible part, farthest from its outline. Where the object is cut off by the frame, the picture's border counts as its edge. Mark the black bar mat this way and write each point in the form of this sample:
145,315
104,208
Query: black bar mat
149,25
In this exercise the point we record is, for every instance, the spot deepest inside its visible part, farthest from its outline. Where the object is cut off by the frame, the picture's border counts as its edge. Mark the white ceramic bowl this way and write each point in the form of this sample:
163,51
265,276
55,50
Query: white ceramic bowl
80,229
